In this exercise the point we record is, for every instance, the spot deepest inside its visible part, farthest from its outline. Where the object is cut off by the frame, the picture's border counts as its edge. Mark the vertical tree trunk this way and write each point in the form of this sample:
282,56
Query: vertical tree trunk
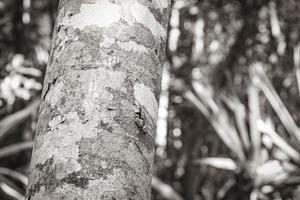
99,103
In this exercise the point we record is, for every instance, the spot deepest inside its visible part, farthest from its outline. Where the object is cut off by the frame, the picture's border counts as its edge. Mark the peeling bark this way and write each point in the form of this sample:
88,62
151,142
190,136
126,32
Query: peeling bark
97,119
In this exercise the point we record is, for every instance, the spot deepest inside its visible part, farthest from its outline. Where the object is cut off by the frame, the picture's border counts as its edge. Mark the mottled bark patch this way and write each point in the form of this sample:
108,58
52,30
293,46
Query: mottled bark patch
146,98
77,180
105,126
73,6
158,12
125,32
44,177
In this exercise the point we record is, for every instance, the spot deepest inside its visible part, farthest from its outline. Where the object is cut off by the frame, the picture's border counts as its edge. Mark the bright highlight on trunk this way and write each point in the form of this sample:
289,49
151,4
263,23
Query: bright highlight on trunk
95,135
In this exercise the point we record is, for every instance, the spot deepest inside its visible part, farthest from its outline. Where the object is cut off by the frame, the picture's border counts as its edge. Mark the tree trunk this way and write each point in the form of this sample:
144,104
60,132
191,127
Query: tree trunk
99,103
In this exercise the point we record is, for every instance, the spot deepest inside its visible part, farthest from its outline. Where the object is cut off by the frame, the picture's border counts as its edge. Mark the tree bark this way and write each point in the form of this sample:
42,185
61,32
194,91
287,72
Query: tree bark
97,118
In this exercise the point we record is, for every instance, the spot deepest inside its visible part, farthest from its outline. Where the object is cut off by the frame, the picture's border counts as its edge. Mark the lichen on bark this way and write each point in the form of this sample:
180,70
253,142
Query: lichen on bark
97,119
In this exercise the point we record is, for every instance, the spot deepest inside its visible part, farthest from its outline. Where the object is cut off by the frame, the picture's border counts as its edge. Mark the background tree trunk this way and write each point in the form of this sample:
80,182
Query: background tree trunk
99,104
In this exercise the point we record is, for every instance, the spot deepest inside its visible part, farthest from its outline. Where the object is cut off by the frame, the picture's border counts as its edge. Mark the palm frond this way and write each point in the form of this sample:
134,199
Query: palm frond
265,85
240,117
270,172
278,141
218,119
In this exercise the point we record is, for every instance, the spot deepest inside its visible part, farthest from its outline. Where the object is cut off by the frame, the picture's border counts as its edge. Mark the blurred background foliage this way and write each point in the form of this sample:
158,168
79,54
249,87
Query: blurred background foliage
228,126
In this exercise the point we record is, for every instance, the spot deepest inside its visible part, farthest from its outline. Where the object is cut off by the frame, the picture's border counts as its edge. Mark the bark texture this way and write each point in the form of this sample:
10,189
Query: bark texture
99,103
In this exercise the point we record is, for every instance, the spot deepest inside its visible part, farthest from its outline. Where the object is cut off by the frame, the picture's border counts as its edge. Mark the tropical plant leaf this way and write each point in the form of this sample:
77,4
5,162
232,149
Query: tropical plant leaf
270,172
14,174
165,190
15,119
220,123
297,64
240,117
10,191
262,81
193,99
15,148
226,188
9,187
218,162
254,115
219,119
278,141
